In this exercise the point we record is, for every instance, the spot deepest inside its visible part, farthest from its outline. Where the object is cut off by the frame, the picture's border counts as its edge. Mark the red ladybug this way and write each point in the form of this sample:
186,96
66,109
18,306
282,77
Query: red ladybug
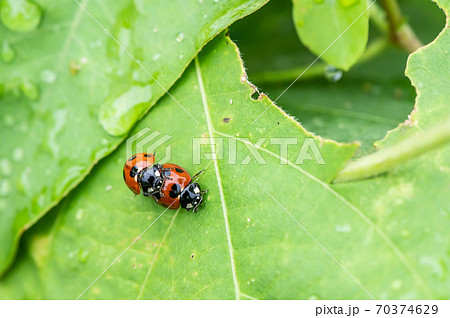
178,189
141,172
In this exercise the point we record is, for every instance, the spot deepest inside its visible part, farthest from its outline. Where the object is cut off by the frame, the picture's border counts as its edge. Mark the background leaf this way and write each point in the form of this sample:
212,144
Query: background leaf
369,100
320,23
63,84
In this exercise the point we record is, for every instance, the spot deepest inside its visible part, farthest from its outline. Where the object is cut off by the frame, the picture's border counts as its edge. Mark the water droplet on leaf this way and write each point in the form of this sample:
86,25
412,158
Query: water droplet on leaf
5,187
29,89
7,53
119,113
332,73
5,167
156,56
48,76
83,255
79,214
20,15
180,37
18,154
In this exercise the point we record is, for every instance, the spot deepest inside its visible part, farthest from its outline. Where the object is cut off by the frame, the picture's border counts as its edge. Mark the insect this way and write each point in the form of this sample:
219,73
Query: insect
141,172
178,189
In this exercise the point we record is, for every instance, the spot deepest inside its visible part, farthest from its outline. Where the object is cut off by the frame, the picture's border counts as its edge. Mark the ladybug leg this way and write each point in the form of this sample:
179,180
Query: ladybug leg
204,191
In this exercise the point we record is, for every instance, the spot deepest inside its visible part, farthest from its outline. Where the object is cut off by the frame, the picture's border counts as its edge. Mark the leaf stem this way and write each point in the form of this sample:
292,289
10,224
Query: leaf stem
390,157
400,31
317,70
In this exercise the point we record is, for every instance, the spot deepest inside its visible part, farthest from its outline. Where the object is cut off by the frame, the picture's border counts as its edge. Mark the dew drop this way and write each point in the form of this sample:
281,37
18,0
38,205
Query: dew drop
20,15
79,214
5,167
181,56
95,44
72,174
205,16
332,73
216,1
313,297
7,53
349,3
17,154
156,56
343,228
108,187
180,37
5,187
396,284
231,101
119,113
83,255
155,30
48,76
405,233
30,90
24,182
59,119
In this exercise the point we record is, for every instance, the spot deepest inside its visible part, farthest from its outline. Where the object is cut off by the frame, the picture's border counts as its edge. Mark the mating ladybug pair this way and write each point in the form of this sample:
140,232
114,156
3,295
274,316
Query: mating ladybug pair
169,184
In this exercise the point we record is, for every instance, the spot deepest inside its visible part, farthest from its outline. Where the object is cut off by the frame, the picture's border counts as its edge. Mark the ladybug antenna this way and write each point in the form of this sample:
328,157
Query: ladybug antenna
197,175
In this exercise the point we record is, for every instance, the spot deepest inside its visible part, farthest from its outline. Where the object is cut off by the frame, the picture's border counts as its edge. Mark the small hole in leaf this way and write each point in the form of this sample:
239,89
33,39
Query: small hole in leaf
254,95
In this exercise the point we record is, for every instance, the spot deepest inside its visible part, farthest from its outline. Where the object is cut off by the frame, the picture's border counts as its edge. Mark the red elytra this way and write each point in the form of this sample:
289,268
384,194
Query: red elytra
133,167
176,179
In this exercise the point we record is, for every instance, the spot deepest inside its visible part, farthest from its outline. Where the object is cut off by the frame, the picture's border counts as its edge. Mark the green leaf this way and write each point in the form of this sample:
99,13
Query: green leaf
427,68
362,109
69,93
223,254
411,201
335,30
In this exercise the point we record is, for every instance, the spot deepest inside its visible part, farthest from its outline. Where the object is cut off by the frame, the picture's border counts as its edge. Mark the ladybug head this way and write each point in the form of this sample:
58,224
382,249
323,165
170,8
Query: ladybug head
151,180
191,197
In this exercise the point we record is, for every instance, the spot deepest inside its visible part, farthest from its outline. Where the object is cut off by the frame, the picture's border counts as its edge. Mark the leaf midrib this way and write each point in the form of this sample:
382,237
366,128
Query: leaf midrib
218,178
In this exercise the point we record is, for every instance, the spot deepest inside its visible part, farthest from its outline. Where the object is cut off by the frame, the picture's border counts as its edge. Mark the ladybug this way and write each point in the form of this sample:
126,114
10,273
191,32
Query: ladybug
178,189
140,171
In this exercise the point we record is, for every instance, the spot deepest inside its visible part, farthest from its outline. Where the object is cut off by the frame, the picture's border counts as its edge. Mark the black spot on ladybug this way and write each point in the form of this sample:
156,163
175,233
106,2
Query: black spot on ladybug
134,171
179,170
147,155
175,192
226,120
132,158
